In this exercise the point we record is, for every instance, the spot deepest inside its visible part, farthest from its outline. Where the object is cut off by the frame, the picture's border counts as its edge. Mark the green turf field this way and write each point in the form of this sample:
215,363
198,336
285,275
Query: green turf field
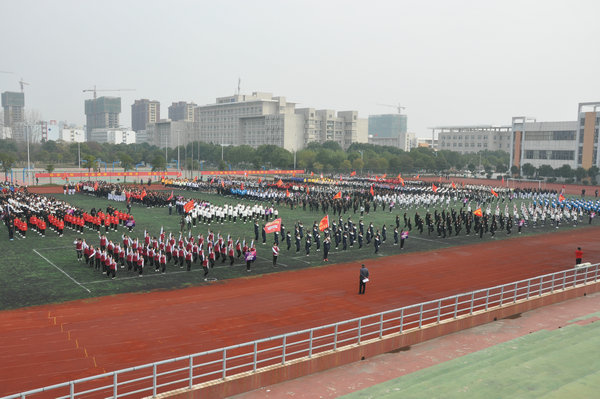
38,270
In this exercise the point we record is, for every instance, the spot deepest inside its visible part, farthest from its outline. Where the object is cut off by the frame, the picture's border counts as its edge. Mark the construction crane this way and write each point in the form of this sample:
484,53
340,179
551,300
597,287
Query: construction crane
96,90
398,107
23,83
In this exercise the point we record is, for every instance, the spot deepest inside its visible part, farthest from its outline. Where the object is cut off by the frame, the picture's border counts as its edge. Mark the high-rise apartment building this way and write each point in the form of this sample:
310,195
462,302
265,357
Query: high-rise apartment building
101,113
389,129
182,111
144,112
14,108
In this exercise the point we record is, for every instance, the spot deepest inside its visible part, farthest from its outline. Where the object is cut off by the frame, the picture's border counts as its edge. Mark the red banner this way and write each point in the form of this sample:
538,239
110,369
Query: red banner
108,174
250,172
273,226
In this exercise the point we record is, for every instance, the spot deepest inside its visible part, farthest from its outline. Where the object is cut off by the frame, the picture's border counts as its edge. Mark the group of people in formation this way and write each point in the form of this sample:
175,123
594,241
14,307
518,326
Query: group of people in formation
156,253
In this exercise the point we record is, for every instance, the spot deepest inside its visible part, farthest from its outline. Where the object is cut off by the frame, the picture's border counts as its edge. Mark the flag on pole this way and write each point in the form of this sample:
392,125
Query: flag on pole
338,195
502,179
324,223
478,212
312,174
188,206
401,180
353,173
307,190
287,193
171,196
96,186
223,183
561,198
279,183
495,194
384,175
372,191
143,194
242,186
434,188
273,226
453,185
259,180
212,180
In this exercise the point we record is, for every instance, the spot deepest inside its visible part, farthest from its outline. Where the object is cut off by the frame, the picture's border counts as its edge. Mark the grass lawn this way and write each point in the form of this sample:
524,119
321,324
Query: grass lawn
37,270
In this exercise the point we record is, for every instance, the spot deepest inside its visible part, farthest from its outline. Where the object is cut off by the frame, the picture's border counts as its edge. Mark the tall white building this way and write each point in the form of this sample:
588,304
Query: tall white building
72,135
468,139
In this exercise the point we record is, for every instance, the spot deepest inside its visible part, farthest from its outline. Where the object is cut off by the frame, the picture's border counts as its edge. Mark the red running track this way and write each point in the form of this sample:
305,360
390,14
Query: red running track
50,344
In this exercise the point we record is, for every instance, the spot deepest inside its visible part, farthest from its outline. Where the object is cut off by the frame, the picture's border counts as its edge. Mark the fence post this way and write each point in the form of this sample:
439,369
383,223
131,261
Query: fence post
541,284
310,343
401,319
574,277
596,274
255,354
115,395
154,380
191,371
472,302
515,298
420,315
585,276
224,363
439,310
335,337
552,287
456,307
359,329
71,390
528,288
283,349
380,325
501,295
564,280
487,298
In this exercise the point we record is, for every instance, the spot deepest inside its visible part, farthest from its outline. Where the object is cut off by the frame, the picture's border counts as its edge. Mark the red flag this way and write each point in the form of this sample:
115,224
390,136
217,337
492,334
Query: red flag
307,190
561,198
478,212
259,180
324,223
353,173
212,180
418,176
223,183
312,174
434,188
495,194
372,191
338,195
95,186
242,187
273,226
188,206
287,193
384,175
170,197
453,185
502,179
143,194
401,180
376,178
321,175
340,177
279,183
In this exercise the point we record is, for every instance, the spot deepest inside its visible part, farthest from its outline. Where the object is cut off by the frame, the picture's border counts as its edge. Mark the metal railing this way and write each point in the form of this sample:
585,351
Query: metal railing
186,371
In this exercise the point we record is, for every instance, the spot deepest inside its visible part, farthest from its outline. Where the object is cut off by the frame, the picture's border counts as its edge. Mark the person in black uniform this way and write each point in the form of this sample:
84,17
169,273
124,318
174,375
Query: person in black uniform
326,247
363,278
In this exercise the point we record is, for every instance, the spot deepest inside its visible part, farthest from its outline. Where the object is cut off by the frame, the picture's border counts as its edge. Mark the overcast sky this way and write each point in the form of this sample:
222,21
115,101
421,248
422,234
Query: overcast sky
448,62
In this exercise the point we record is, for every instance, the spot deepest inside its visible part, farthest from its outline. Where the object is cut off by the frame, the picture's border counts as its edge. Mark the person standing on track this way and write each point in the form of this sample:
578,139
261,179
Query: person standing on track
578,256
363,279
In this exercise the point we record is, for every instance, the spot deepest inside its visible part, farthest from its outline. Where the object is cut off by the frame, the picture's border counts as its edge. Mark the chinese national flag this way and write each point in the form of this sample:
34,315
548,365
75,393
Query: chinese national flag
478,212
495,194
502,179
170,197
287,193
372,191
188,206
561,198
324,223
453,185
353,173
401,180
273,226
242,187
338,195
223,183
434,188
95,186
279,183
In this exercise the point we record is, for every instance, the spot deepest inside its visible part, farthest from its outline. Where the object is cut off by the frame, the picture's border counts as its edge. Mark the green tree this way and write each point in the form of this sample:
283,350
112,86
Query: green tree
8,161
565,171
126,163
90,162
528,170
514,170
50,169
158,163
580,173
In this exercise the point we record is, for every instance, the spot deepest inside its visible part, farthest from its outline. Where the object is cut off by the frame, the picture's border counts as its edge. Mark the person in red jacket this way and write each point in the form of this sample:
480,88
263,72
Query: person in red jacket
578,256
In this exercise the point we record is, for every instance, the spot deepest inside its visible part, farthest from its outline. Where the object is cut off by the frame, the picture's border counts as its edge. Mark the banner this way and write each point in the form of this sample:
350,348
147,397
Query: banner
250,172
273,226
324,223
66,175
188,206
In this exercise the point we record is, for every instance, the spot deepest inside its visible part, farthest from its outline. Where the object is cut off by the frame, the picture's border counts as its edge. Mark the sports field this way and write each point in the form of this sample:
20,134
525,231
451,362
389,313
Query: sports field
38,270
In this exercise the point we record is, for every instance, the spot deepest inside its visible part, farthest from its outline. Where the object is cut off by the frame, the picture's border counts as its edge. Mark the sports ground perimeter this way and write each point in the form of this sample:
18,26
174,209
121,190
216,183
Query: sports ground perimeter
57,343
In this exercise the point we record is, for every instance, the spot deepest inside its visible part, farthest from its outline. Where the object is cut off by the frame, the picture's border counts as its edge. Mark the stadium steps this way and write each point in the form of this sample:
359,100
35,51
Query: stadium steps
548,364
